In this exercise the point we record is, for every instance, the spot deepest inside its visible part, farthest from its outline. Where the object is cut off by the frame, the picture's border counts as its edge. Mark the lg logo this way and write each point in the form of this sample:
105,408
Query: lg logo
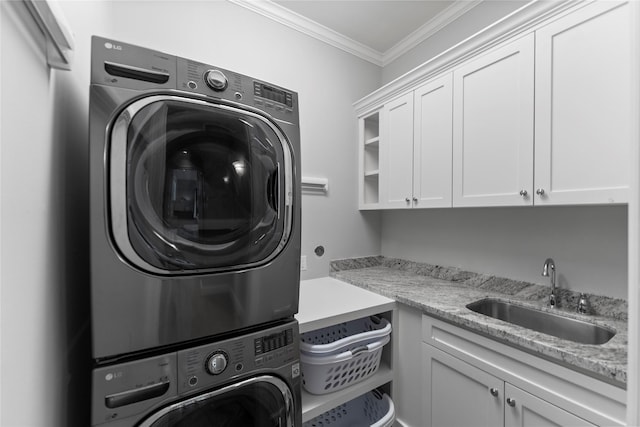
112,46
113,376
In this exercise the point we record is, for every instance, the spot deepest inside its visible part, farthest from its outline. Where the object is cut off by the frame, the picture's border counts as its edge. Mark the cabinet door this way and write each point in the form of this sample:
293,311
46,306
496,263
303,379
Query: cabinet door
432,144
458,394
396,174
583,76
493,127
526,410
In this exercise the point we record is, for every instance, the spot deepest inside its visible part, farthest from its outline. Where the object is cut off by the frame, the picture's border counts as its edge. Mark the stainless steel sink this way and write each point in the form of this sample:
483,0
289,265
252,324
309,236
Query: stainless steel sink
541,321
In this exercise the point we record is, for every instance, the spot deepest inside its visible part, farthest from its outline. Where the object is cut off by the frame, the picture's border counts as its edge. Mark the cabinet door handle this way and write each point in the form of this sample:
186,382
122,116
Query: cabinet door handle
415,200
511,402
408,200
494,392
540,191
523,193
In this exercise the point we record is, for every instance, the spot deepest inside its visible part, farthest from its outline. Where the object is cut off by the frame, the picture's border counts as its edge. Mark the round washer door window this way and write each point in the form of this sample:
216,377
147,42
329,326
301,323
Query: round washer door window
197,186
259,402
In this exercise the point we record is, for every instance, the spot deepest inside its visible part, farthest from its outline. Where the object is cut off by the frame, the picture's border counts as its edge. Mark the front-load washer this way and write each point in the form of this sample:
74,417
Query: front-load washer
195,200
251,380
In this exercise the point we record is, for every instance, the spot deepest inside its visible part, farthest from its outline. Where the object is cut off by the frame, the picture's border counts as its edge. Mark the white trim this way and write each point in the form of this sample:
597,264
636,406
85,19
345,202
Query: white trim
444,18
633,353
48,15
300,23
311,28
514,24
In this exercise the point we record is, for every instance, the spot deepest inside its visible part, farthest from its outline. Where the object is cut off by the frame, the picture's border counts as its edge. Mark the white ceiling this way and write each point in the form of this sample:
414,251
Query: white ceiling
376,30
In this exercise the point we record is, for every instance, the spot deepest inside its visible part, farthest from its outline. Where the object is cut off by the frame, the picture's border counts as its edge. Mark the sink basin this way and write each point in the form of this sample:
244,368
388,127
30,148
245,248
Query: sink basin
541,321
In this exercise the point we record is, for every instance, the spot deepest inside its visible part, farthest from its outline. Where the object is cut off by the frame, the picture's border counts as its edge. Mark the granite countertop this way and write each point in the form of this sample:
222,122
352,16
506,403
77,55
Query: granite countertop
444,292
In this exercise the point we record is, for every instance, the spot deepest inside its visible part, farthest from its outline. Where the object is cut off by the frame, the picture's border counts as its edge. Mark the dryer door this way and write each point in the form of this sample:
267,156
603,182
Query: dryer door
197,186
264,401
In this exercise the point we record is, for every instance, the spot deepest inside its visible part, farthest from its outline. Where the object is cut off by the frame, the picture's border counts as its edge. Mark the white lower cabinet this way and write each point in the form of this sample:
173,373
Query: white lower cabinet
471,380
458,394
526,410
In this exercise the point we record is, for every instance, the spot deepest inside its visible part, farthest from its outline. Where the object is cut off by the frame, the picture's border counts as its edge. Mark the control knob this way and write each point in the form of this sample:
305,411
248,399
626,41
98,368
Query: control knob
216,363
216,80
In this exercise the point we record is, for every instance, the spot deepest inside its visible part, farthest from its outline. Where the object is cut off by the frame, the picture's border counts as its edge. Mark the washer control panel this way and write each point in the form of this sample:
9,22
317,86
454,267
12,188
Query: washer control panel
218,362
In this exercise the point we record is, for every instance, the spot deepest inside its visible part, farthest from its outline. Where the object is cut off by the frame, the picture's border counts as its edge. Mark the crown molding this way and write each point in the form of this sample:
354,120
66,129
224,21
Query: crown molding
444,18
291,19
518,23
311,28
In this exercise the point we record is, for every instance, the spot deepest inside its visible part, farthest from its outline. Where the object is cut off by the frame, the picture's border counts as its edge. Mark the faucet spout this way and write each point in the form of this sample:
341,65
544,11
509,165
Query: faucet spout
549,264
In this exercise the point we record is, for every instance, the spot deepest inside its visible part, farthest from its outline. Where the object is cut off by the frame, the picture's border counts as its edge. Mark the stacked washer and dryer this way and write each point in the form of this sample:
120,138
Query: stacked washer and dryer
195,243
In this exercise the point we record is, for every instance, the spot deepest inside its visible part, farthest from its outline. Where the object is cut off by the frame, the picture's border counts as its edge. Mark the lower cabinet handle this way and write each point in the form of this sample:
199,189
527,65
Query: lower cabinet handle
511,402
494,392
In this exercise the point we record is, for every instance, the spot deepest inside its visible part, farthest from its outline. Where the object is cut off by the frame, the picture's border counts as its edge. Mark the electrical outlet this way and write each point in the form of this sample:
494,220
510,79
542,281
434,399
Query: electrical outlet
303,263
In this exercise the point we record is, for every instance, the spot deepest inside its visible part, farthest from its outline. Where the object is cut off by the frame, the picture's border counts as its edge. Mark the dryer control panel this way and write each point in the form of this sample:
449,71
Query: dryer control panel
216,82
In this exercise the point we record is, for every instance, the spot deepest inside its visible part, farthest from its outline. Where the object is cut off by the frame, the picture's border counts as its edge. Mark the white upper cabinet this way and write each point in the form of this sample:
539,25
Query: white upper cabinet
583,76
396,169
493,127
369,161
432,143
540,118
415,162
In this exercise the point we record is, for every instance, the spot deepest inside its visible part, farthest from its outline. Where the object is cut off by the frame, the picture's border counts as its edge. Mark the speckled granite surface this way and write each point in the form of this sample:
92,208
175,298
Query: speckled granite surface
444,292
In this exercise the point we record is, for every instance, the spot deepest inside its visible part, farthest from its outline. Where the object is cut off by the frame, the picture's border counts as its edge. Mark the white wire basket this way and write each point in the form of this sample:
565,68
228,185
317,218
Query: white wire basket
373,409
344,336
326,374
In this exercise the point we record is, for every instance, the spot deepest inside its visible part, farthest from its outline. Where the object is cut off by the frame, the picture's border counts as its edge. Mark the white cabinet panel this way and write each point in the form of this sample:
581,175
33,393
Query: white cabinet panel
583,64
458,394
493,127
432,150
526,410
396,174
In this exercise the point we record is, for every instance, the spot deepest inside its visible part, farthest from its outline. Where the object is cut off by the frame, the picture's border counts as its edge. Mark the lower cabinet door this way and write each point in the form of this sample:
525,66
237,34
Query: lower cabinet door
525,410
457,394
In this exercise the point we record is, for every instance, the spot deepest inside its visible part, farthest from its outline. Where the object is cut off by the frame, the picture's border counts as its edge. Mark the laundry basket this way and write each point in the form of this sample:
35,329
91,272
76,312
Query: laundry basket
325,374
344,336
373,409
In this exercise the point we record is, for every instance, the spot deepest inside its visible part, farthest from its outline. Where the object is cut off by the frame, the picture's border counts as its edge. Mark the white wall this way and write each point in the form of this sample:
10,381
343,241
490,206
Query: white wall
44,324
588,243
327,80
481,16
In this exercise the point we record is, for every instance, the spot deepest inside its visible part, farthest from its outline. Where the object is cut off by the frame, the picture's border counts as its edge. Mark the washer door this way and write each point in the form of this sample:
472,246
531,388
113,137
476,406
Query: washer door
197,186
264,401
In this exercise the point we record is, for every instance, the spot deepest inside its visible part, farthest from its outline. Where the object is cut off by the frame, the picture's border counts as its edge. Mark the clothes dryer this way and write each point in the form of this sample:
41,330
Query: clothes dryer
195,200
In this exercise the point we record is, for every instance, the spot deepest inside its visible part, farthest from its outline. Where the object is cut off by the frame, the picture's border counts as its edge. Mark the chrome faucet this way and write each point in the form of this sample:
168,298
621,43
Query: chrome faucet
550,264
583,304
